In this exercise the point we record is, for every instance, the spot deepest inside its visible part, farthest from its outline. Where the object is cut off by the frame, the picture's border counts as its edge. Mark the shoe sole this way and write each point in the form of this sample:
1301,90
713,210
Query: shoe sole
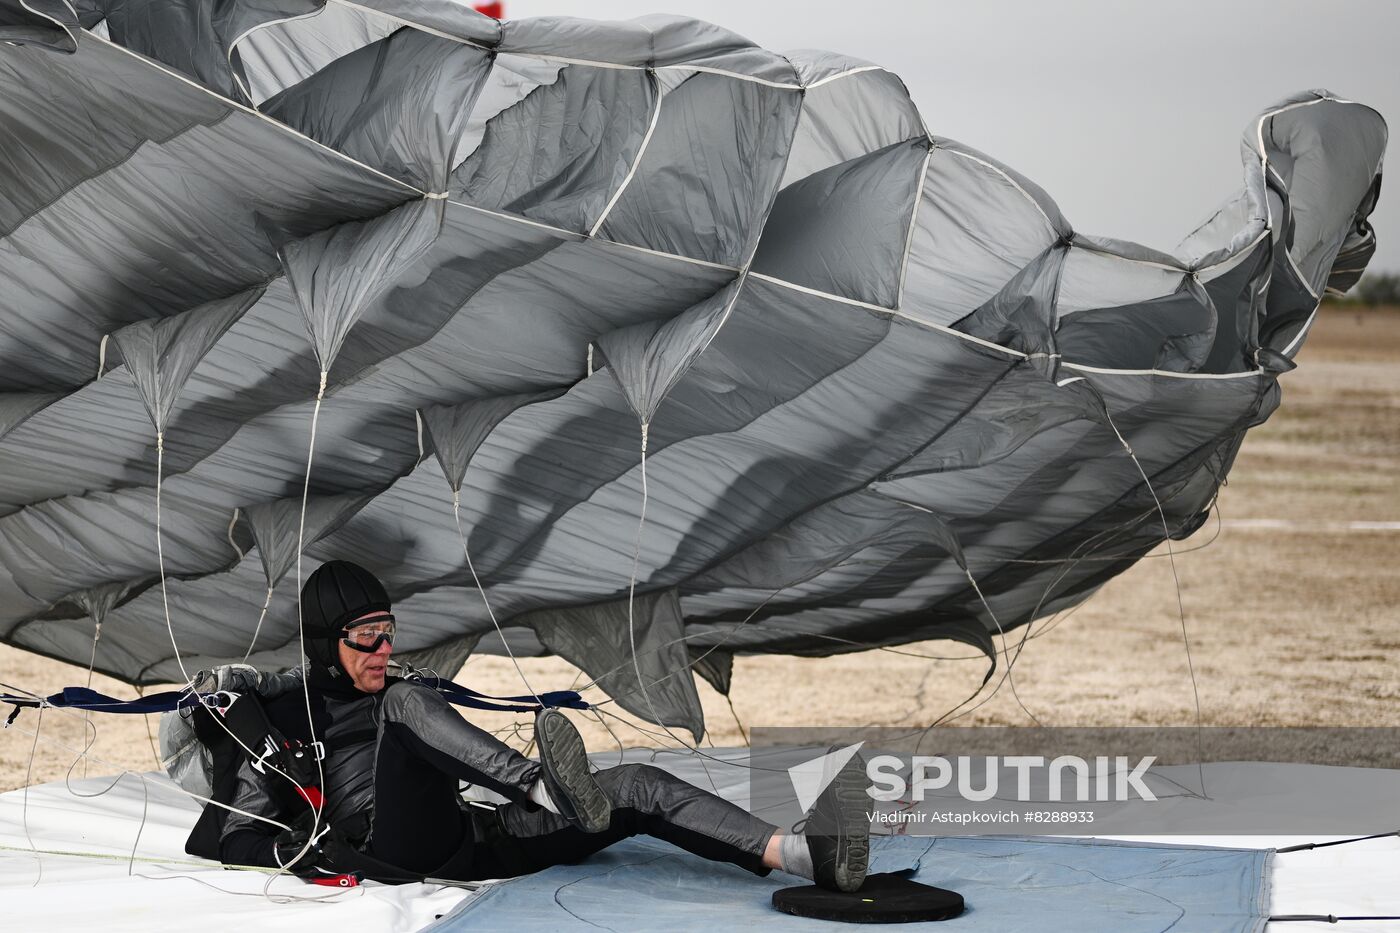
853,831
569,764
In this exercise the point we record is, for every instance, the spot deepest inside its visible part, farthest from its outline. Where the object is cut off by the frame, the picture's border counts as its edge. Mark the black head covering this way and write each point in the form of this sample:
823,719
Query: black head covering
336,594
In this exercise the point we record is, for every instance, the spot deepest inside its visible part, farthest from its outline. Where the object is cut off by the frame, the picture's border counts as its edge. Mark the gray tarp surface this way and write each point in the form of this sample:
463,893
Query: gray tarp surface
1066,885
871,365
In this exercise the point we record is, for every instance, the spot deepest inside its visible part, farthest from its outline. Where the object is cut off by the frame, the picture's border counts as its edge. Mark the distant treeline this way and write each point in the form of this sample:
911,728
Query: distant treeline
1374,290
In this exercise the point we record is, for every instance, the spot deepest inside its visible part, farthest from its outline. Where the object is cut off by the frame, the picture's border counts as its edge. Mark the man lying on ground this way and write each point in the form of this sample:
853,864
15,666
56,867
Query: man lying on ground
395,750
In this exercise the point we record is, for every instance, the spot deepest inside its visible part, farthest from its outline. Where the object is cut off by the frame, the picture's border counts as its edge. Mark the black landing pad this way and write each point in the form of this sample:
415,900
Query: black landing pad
888,898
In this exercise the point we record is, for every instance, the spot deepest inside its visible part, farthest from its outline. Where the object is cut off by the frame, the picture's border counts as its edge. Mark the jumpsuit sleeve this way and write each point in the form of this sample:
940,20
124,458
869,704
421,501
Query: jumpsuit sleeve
245,840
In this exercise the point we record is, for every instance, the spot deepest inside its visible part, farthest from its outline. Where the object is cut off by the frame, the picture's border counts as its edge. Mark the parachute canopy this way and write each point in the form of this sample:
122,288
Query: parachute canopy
876,371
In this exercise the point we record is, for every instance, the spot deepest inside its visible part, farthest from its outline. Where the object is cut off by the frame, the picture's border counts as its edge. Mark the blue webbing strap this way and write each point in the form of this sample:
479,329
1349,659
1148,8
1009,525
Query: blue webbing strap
84,698
465,696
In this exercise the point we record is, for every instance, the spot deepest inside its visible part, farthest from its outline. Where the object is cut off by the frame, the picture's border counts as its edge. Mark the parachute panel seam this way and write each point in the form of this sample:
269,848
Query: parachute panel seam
60,23
250,111
576,235
845,74
636,161
1013,182
913,223
233,47
419,26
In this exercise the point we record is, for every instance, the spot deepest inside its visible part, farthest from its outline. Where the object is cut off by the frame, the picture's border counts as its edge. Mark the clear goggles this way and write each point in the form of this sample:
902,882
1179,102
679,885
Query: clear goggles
368,636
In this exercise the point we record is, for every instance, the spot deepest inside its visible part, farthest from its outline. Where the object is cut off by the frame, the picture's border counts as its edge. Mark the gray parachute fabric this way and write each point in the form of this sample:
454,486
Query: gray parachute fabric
160,354
48,23
588,637
335,274
100,600
16,407
458,430
647,360
715,666
275,527
890,392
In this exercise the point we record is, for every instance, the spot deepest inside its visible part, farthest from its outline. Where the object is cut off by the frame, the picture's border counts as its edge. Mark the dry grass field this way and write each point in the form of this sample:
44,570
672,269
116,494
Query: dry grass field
1298,625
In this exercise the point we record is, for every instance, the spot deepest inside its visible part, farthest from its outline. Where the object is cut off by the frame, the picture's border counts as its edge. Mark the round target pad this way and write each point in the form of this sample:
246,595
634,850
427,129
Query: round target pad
888,898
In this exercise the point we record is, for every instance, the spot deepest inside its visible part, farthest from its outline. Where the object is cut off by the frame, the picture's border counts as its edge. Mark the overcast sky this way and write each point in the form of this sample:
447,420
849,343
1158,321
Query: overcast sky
1128,113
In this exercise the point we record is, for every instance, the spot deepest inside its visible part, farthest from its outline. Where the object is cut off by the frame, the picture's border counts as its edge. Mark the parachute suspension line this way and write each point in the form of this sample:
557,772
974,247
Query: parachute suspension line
160,554
418,429
24,805
1069,565
258,628
466,553
85,753
632,592
42,705
590,358
145,786
1008,676
1180,602
89,739
231,523
696,751
301,629
621,751
150,736
632,621
743,732
92,662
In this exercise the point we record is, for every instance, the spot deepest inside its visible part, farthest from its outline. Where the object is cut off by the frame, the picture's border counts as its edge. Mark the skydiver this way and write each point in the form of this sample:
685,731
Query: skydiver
395,752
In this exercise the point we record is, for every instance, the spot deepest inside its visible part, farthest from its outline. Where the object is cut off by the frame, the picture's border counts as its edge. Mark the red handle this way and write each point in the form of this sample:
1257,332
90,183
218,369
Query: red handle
348,880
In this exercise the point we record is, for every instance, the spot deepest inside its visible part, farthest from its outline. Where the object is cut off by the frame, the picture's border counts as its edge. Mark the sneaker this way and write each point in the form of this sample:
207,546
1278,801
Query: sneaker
838,832
566,775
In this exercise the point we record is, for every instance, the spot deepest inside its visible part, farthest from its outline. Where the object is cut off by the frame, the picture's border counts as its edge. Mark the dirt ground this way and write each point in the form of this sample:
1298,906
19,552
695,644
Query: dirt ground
1288,626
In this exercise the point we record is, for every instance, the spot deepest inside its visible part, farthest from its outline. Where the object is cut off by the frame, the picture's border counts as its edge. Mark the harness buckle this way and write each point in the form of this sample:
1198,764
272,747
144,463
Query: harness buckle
268,752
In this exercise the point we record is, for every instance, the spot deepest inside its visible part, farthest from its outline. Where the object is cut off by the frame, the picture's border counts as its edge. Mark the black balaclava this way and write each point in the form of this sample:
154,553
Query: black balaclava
336,594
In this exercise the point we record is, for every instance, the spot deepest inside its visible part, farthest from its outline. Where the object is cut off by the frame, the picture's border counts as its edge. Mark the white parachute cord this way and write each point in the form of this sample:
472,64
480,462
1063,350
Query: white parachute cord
207,866
232,523
59,744
165,600
92,662
743,732
632,590
632,622
621,750
1180,602
258,628
160,554
265,893
150,736
102,355
466,553
1011,659
1007,676
301,630
89,739
24,804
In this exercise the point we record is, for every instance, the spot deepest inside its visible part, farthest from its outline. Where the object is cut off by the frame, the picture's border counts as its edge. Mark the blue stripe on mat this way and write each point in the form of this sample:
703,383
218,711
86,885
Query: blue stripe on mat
1039,884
